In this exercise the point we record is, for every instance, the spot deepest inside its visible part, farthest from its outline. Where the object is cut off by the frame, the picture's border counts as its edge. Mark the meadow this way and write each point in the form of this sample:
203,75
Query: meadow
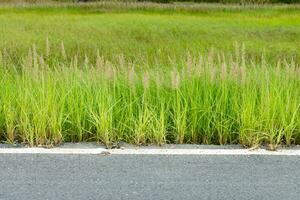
147,73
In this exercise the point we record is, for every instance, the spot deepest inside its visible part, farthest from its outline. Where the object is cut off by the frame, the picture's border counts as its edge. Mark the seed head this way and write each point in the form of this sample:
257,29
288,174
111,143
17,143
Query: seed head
110,72
35,56
146,80
131,75
292,68
200,66
5,57
211,57
243,55
189,65
234,71
158,79
243,74
29,59
121,61
175,79
237,52
278,67
63,51
99,61
223,74
75,62
298,72
213,73
86,60
42,62
47,47
1,58
263,61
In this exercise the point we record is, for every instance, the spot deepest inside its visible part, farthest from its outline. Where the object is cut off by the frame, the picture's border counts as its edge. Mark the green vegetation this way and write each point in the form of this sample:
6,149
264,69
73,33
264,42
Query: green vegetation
150,34
98,72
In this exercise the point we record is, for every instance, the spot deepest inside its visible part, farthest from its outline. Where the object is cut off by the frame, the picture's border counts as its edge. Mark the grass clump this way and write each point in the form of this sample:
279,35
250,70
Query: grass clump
210,99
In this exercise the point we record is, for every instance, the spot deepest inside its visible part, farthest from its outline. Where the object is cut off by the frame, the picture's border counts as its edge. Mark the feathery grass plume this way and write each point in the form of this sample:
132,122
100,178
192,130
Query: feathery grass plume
223,74
86,61
298,72
74,62
286,65
189,65
293,62
146,80
1,58
158,78
175,79
243,56
122,61
5,57
34,57
292,68
213,73
289,68
63,51
219,59
42,63
278,68
263,61
243,74
100,62
237,52
199,68
34,71
110,71
211,57
234,71
28,60
131,75
47,48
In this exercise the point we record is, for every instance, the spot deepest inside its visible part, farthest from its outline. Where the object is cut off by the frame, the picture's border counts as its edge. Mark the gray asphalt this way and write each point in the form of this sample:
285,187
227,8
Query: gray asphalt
149,177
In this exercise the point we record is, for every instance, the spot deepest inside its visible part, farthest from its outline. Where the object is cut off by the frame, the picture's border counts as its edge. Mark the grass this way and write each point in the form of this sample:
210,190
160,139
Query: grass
89,73
150,34
210,100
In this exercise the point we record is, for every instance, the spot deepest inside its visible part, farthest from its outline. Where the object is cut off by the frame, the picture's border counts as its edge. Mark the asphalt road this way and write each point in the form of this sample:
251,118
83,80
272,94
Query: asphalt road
113,177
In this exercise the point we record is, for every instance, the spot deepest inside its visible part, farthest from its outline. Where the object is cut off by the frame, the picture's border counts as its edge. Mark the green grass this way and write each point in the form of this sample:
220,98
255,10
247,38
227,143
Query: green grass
148,74
151,33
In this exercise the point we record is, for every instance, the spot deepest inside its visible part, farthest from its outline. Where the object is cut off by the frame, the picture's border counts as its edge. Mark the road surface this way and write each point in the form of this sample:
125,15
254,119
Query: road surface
153,177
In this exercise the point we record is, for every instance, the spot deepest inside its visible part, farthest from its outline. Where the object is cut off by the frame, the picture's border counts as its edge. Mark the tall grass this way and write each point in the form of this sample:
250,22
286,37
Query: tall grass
209,99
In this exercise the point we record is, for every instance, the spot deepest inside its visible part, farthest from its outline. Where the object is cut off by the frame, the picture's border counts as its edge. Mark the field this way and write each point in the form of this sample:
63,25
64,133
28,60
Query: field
150,73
